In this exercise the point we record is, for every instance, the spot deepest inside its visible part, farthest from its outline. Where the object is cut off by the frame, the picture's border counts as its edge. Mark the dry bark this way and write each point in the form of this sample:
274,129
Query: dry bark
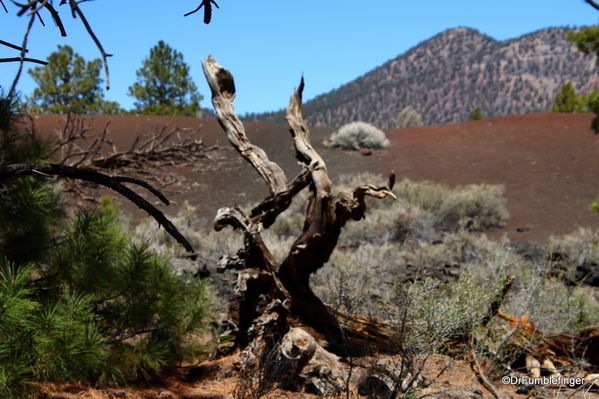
270,297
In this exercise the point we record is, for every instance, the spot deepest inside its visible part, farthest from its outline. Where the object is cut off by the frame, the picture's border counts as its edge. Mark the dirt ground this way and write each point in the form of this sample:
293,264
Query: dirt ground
459,381
549,164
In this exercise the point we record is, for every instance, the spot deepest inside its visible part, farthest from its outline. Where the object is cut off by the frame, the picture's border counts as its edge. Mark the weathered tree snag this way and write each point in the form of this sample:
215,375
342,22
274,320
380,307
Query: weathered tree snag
270,297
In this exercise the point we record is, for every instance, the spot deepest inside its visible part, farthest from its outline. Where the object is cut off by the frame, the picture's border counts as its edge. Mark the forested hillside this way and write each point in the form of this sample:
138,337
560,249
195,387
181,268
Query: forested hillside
451,74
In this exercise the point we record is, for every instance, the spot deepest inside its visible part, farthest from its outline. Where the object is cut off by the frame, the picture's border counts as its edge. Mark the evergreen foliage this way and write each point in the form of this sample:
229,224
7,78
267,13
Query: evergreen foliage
586,39
29,208
592,105
69,84
356,135
568,100
135,295
476,114
79,300
164,86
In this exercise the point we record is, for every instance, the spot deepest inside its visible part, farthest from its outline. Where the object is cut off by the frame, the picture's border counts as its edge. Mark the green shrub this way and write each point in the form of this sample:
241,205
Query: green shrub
145,311
79,299
44,340
357,135
476,114
29,207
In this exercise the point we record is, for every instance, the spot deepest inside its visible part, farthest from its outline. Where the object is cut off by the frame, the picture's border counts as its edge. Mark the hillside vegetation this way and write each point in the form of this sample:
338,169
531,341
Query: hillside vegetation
448,76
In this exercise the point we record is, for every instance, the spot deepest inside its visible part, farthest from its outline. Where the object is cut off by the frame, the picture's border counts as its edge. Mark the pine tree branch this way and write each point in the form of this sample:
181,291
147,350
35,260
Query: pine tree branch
113,182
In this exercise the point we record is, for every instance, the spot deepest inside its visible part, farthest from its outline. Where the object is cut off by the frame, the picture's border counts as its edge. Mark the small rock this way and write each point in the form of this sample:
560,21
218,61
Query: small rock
365,151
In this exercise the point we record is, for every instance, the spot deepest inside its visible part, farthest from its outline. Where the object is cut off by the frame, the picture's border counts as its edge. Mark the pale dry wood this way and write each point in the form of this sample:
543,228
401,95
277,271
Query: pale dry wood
311,364
223,92
325,216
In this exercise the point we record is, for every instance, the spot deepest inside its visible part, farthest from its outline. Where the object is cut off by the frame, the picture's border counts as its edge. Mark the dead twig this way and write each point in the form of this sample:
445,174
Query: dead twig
482,377
76,10
207,4
17,59
592,4
13,46
13,87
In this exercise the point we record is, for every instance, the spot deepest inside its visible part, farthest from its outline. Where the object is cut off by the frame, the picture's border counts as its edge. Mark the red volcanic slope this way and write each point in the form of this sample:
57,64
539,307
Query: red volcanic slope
549,164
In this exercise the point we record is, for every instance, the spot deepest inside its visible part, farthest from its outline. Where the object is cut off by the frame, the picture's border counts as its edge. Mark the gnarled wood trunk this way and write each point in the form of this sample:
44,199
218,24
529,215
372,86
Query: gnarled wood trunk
270,297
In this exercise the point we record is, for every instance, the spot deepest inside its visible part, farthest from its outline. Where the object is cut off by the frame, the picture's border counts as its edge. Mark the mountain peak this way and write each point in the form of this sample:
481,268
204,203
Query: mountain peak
447,76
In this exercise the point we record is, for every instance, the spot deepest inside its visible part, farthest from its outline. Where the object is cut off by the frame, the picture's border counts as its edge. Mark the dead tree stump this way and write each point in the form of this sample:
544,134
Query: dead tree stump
271,297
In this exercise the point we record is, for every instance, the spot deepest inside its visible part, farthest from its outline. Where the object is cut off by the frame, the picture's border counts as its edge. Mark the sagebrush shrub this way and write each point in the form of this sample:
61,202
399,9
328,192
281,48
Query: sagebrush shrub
357,135
408,117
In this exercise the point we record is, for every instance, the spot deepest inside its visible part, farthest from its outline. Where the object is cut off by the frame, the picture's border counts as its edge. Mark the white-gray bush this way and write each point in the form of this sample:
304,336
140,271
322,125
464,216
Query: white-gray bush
408,117
357,135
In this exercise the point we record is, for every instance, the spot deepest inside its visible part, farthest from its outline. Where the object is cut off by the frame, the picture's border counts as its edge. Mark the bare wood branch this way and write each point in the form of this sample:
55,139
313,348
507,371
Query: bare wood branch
56,18
158,149
35,12
592,4
113,182
325,216
267,211
233,217
13,87
25,7
483,378
17,59
207,4
75,9
223,92
13,46
498,300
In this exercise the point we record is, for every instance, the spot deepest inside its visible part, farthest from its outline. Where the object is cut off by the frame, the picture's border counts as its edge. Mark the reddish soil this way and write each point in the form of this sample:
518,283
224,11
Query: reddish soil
549,164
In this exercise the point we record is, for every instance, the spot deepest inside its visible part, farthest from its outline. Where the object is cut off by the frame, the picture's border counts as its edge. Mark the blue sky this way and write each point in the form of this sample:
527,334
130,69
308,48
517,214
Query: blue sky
268,44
